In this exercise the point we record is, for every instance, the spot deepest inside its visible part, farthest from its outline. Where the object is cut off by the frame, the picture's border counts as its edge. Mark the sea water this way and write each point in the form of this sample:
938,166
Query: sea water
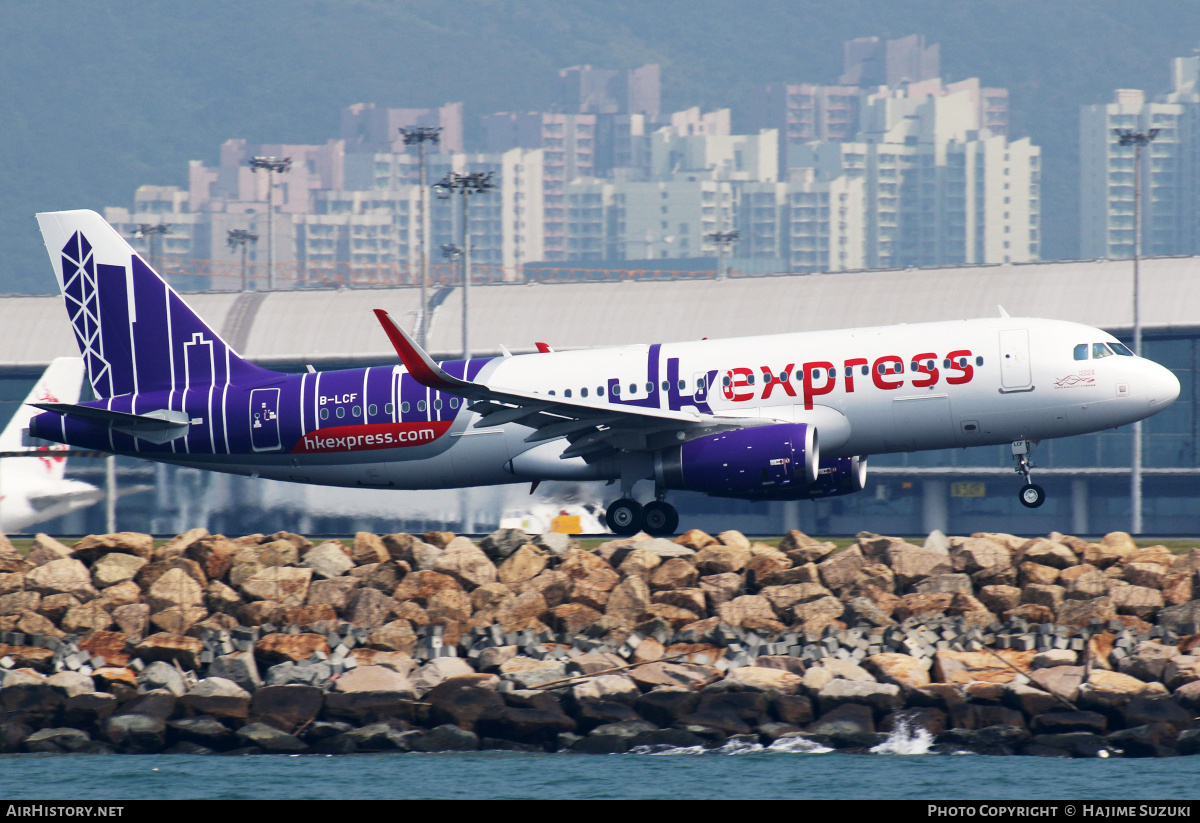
900,768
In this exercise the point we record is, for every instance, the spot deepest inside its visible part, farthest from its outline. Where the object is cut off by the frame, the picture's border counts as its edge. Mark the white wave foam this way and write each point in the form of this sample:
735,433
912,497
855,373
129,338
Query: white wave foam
798,745
738,747
905,740
680,750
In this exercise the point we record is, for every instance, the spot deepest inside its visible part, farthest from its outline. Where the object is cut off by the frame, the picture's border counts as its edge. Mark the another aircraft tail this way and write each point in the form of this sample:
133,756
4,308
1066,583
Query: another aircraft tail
60,383
134,332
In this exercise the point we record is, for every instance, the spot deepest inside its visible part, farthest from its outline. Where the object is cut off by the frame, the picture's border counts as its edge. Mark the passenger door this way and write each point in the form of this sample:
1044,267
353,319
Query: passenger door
1015,371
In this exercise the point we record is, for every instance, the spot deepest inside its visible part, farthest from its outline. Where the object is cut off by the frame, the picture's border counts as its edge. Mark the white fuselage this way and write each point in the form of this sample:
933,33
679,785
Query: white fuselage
976,382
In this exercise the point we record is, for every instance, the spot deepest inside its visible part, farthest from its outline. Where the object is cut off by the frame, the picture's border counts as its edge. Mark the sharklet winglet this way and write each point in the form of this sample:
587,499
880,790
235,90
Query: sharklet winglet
419,364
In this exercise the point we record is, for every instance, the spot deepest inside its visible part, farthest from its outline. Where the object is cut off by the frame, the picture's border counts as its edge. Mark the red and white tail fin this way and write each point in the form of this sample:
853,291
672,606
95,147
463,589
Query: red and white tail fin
60,383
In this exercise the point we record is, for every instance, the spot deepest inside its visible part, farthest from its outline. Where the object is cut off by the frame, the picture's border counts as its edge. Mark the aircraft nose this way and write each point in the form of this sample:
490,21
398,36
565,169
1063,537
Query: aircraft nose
1162,385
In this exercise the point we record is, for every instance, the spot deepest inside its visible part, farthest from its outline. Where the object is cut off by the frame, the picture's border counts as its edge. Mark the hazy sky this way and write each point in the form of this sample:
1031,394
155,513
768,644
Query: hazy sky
97,98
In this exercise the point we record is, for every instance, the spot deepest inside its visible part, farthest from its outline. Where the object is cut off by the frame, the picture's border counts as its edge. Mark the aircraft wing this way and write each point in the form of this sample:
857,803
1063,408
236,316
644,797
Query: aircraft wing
592,427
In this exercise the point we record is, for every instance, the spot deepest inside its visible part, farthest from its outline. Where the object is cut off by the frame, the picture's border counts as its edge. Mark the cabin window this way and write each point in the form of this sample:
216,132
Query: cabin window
1081,351
552,392
599,391
567,393
783,376
946,363
372,410
682,385
833,372
454,402
583,392
404,407
616,390
324,414
1100,350
340,411
929,365
816,374
357,412
649,388
666,386
882,368
633,388
388,409
700,384
978,361
866,371
1121,349
725,381
750,380
912,366
437,404
420,405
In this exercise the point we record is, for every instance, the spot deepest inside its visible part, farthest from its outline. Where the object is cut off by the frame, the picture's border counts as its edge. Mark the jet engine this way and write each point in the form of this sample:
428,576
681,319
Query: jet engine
777,462
837,476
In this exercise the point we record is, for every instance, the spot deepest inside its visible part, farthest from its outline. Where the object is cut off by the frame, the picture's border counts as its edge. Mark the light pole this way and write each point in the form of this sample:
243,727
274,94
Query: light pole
1129,137
150,231
419,136
723,239
240,237
466,184
271,165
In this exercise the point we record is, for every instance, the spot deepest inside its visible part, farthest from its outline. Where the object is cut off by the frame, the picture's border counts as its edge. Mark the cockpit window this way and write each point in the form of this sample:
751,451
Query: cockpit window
1121,349
1100,350
1081,351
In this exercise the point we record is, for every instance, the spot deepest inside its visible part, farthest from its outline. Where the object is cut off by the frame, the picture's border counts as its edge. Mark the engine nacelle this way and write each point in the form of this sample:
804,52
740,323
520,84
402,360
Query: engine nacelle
779,462
839,475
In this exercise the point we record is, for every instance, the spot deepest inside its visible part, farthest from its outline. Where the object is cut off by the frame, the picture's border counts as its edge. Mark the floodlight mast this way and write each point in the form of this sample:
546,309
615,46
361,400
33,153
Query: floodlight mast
149,231
1126,138
466,185
419,136
240,237
271,165
723,240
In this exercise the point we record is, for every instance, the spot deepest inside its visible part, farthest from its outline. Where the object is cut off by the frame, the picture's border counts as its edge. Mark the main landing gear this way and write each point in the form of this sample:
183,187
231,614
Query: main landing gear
627,516
1031,494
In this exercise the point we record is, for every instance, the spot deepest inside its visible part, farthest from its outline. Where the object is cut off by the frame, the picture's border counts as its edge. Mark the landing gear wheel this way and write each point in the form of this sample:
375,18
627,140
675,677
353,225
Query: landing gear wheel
624,516
1032,496
660,518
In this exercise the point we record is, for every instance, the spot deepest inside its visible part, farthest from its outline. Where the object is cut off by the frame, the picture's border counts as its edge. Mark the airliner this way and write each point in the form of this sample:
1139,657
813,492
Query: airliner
32,486
780,417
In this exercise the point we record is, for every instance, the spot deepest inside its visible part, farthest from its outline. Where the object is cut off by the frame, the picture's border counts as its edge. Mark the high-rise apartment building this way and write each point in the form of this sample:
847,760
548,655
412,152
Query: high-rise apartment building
1170,172
370,128
588,90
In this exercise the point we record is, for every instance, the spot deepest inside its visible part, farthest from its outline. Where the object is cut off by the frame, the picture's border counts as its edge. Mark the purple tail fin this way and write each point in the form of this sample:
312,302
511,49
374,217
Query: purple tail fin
134,332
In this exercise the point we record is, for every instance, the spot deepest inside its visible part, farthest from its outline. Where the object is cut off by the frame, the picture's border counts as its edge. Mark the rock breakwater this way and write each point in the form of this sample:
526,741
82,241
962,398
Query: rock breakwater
991,643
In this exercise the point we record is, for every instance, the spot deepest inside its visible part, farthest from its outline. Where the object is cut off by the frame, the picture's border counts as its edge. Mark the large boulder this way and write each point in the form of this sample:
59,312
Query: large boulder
438,671
370,692
287,708
758,679
1107,691
528,673
750,612
524,564
98,545
270,739
974,554
171,648
840,569
115,568
175,587
1048,553
327,561
991,667
466,563
1184,618
628,601
801,549
279,647
1147,661
1079,614
1138,601
281,584
911,564
135,733
217,697
901,670
65,576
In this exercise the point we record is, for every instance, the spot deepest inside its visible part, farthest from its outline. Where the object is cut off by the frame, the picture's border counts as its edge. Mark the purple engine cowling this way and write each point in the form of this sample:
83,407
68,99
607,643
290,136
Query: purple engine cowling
837,476
779,461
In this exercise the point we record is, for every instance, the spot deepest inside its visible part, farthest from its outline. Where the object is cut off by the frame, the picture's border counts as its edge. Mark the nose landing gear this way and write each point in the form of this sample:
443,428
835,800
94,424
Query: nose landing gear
1031,494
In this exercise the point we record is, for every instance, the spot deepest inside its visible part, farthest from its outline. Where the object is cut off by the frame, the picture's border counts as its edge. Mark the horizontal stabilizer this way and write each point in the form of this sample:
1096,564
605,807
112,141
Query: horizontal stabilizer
159,426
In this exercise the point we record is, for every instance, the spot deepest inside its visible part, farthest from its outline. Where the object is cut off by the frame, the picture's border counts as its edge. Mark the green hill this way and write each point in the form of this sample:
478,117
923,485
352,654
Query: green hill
97,98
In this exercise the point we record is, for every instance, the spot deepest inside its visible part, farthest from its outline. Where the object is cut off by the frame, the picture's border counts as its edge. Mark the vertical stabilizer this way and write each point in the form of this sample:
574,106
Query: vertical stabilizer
134,332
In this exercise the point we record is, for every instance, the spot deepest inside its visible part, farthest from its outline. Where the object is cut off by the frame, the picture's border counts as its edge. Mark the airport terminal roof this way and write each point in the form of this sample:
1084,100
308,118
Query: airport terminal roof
337,327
